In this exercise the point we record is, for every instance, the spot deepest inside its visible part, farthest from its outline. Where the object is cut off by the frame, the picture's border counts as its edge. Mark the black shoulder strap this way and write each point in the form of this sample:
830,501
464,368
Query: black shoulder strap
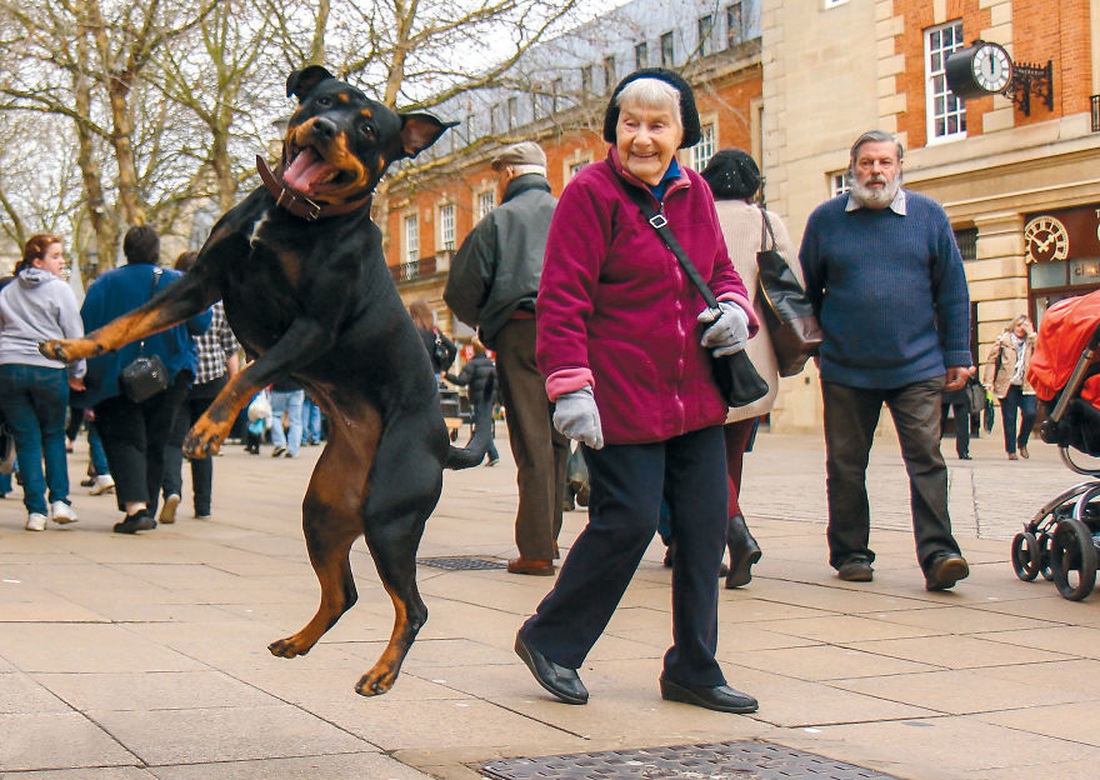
660,224
766,231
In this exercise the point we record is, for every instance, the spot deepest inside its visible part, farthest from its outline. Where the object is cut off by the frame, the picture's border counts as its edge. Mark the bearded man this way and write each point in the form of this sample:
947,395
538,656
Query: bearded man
887,283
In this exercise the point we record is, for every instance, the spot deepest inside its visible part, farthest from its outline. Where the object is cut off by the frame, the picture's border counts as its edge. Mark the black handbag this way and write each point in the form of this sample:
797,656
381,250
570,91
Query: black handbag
737,378
146,375
788,313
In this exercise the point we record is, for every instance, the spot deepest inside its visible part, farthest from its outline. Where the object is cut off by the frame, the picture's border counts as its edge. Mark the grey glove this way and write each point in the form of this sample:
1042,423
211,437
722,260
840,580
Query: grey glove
729,331
576,416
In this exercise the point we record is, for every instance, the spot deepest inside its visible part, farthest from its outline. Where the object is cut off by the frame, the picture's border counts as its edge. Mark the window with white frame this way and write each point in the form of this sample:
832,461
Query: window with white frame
946,113
641,55
706,35
412,239
574,168
485,202
609,77
838,183
735,24
513,112
704,150
586,80
447,226
668,50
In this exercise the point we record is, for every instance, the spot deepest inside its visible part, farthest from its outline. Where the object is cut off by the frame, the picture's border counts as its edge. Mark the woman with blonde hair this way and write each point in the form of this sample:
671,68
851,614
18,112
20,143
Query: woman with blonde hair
1006,375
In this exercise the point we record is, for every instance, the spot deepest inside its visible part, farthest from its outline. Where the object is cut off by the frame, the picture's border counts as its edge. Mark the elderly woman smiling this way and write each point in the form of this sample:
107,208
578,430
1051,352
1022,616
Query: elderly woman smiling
624,340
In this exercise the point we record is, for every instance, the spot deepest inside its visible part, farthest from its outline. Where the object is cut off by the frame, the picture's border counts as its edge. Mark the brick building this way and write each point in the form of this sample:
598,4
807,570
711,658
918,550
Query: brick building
794,82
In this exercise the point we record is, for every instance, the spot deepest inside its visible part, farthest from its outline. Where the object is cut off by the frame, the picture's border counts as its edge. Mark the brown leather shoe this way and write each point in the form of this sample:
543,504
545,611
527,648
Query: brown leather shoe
523,565
1023,452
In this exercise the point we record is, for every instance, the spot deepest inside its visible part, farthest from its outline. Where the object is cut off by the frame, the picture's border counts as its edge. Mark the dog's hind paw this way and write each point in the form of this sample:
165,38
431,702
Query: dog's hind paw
286,648
374,683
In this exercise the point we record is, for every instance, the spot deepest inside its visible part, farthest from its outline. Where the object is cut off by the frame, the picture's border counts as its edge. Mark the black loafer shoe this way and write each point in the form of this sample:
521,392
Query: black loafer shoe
721,697
135,523
856,570
945,570
561,681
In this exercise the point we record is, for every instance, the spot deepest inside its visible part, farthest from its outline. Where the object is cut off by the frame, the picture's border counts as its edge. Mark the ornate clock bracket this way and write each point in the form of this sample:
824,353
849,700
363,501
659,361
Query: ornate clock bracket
1028,80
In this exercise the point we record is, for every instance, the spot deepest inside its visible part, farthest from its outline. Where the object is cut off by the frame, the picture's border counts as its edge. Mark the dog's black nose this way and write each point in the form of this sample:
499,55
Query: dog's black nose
324,128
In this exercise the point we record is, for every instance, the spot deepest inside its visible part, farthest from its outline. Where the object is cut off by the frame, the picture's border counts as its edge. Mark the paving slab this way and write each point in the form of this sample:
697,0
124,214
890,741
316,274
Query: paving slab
133,658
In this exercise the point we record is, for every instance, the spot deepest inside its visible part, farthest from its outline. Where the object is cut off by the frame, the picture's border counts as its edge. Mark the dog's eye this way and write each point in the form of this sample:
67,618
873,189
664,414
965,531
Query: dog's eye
367,130
324,102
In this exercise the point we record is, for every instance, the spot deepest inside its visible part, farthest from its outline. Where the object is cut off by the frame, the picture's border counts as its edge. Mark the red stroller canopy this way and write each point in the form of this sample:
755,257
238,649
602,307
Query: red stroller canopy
1064,333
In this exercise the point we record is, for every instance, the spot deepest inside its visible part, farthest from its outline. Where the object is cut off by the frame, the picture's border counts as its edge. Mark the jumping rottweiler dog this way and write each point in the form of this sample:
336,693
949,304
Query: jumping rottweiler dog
299,264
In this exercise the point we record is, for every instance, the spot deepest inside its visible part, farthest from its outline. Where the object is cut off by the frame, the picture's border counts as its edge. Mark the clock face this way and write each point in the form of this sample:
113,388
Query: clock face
1045,240
992,67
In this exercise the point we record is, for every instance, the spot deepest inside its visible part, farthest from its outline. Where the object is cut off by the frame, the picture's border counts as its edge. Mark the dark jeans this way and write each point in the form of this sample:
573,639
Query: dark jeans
134,437
540,452
34,400
198,400
851,415
627,485
1026,404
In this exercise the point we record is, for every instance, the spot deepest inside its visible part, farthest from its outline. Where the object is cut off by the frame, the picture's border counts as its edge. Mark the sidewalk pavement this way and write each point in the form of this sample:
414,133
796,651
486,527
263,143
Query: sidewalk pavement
145,657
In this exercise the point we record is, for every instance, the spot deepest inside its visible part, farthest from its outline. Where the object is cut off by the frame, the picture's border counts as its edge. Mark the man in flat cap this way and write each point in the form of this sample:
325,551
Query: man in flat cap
492,286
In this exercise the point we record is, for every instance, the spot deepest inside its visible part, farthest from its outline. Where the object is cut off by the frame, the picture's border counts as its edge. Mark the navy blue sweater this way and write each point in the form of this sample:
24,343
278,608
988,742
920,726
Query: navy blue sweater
889,290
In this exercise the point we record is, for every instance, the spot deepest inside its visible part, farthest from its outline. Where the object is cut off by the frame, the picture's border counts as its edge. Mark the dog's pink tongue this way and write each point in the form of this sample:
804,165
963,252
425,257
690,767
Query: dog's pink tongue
307,169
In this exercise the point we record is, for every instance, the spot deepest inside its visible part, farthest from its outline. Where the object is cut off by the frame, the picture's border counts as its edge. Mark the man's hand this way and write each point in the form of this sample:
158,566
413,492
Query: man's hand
577,417
956,378
729,329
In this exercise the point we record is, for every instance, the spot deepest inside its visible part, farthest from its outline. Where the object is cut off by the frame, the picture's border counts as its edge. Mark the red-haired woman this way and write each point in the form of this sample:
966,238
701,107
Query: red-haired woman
35,306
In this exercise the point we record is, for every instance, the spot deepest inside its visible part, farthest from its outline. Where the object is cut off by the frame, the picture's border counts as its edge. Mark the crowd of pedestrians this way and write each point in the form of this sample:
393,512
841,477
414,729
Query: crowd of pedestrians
587,332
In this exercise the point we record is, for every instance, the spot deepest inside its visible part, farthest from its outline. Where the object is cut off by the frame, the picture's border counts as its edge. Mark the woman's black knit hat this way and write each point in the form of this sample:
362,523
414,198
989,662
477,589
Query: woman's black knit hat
732,175
689,114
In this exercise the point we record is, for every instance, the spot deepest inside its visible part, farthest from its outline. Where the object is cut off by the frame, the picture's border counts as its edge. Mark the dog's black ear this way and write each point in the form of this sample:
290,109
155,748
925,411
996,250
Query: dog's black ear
302,82
419,131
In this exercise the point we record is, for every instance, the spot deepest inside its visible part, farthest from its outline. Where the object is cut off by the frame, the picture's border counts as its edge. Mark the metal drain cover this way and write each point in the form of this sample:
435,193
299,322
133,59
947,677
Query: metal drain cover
462,563
717,761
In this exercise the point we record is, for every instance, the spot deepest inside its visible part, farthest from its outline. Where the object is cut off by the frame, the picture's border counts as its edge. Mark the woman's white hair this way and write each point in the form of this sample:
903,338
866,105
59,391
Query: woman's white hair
653,94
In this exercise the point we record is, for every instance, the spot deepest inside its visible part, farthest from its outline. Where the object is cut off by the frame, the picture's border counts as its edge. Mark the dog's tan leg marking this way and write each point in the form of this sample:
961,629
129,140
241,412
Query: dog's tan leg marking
211,429
383,674
332,521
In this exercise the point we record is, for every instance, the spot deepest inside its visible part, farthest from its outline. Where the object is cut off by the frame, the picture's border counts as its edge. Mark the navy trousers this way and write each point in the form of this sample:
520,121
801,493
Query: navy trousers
627,483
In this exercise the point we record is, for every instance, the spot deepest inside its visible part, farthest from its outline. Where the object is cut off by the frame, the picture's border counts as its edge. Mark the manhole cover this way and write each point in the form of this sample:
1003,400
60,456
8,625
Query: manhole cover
718,761
462,564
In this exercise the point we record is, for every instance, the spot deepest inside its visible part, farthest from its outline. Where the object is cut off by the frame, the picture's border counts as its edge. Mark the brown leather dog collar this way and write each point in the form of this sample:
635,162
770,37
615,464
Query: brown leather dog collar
298,204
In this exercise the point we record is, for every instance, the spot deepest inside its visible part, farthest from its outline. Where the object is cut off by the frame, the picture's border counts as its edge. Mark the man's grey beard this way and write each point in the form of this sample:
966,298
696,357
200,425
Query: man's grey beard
875,198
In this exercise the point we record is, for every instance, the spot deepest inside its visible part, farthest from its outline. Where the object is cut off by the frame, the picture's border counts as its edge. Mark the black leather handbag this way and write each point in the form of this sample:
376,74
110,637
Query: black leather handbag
737,378
788,313
146,375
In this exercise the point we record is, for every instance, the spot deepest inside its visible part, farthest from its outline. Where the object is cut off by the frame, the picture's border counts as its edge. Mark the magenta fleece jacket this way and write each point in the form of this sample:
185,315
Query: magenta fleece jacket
616,311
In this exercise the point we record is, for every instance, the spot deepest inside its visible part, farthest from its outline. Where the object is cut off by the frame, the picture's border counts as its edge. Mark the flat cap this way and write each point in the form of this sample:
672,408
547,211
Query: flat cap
523,153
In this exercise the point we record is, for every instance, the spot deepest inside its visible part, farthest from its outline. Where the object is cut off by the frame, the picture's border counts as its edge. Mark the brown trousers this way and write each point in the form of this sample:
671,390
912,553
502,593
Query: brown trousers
539,450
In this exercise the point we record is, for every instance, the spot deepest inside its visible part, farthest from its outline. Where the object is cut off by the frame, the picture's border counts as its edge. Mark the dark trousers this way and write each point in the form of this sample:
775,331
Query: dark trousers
202,469
540,452
851,415
134,437
627,484
961,411
1028,407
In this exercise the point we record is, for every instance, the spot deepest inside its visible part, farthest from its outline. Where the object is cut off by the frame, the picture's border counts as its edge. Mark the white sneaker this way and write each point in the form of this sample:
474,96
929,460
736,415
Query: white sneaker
168,511
104,483
63,513
35,522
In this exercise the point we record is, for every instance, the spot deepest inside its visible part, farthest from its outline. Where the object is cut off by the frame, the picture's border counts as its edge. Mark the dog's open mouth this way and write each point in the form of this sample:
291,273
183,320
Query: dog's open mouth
309,172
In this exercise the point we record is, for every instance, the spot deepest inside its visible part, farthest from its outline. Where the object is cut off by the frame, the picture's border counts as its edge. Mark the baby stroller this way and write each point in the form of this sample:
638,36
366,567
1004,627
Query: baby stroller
1062,540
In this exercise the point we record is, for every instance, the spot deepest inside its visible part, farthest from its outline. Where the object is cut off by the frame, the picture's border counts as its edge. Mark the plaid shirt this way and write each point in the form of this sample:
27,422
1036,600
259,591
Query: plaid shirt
214,346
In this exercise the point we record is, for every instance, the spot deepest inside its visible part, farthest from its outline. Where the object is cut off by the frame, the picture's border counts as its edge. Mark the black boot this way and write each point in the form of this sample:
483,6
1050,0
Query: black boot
744,552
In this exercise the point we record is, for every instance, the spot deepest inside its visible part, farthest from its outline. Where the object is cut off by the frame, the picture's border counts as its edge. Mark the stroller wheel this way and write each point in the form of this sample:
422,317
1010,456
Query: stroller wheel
1043,551
1073,559
1025,556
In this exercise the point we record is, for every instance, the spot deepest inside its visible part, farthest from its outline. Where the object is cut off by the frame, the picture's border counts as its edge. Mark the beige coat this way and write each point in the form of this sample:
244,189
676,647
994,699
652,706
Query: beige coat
1000,364
741,223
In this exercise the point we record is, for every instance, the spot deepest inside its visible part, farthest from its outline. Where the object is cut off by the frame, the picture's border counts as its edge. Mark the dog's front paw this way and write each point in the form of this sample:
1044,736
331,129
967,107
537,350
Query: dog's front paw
70,350
205,439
